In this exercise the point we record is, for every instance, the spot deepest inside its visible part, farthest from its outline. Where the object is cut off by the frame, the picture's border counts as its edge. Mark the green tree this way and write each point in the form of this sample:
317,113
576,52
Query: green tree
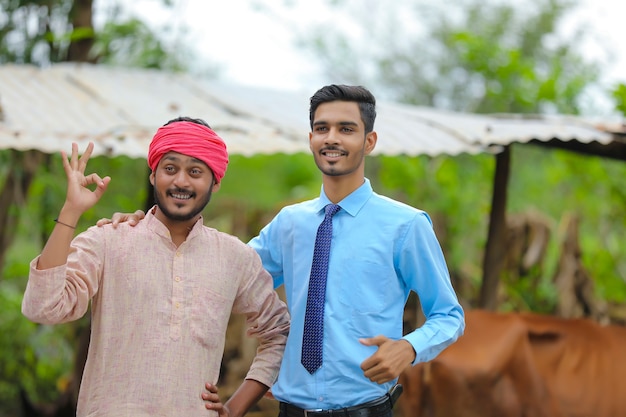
45,32
473,56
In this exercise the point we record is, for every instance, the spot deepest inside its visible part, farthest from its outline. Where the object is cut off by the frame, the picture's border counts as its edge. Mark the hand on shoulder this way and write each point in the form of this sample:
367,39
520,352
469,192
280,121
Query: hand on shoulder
131,218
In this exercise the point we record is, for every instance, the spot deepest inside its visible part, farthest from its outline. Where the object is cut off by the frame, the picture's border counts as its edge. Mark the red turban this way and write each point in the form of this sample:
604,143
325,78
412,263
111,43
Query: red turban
191,139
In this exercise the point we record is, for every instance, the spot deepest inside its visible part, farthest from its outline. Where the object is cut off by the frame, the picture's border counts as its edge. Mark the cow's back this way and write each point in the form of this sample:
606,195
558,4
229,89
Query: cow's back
583,363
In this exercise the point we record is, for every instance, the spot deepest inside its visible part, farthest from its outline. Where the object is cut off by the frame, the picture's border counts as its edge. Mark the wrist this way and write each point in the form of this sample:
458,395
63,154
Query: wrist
64,224
68,216
411,354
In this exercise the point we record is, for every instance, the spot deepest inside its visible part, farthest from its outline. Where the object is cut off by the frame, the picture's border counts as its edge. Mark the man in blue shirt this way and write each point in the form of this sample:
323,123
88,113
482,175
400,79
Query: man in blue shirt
381,251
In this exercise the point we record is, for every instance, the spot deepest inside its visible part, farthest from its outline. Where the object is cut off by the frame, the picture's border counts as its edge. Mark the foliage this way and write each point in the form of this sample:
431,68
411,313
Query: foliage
31,31
560,183
39,359
472,56
133,44
277,181
41,32
619,94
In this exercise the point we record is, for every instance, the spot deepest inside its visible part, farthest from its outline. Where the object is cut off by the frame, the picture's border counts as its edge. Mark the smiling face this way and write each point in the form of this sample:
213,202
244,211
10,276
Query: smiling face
182,187
338,140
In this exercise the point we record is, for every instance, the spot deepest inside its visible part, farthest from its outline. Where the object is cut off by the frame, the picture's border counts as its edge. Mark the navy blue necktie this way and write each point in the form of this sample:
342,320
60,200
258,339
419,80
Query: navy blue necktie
314,316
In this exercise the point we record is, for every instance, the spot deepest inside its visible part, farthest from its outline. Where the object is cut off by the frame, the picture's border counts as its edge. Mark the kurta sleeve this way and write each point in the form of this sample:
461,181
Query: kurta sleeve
62,294
267,319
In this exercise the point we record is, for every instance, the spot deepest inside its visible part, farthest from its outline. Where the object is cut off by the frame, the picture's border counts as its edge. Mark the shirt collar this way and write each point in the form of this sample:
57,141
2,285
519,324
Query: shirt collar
353,202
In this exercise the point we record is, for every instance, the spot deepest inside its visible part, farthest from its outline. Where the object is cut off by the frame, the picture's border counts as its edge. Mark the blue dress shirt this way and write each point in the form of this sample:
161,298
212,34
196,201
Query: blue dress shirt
381,250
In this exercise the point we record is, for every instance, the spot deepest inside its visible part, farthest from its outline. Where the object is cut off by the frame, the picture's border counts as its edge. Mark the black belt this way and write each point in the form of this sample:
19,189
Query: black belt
378,407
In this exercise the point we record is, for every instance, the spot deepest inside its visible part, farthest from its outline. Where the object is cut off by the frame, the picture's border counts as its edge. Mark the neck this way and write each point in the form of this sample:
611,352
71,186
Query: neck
179,230
338,188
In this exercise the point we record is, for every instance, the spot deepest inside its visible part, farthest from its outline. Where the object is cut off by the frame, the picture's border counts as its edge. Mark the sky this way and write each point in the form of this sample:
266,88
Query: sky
253,48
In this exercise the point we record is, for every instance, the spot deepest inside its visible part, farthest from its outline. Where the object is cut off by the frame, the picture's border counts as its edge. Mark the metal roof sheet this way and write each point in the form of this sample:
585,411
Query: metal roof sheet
121,108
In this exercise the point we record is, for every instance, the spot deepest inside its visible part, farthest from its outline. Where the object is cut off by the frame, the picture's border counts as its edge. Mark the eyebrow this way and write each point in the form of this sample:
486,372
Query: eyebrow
178,158
346,123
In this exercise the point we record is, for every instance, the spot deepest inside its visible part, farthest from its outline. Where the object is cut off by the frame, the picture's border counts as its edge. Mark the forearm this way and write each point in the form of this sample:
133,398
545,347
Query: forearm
246,396
438,332
57,247
78,199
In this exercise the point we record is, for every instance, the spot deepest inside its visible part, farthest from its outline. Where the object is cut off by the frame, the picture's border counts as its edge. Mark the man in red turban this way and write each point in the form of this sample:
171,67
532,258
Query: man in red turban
178,153
161,293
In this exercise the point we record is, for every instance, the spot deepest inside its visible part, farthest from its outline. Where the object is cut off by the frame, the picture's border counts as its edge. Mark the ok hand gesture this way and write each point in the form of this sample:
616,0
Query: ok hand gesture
79,197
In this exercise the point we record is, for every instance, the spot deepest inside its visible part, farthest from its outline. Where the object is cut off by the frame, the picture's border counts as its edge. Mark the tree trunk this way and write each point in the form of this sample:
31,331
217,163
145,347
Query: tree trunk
81,17
21,173
495,250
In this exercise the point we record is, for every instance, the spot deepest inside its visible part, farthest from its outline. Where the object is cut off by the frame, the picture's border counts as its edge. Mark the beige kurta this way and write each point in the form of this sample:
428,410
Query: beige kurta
159,314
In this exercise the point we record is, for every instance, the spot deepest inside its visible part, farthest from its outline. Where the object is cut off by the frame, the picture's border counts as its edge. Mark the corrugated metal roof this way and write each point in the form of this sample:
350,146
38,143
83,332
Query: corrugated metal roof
120,109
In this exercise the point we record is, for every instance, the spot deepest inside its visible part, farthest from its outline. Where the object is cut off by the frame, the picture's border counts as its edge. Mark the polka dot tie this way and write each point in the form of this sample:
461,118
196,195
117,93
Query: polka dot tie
314,316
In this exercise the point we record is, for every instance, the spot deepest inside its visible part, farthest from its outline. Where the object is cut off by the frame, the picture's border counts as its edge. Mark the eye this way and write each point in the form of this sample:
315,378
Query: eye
196,172
169,169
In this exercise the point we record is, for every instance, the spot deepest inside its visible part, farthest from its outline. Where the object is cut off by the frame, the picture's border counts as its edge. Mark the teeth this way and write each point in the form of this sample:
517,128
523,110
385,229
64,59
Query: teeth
333,154
181,196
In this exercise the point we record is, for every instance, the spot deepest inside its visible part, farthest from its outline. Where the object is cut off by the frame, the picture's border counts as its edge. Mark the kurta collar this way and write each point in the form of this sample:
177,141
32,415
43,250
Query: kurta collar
159,228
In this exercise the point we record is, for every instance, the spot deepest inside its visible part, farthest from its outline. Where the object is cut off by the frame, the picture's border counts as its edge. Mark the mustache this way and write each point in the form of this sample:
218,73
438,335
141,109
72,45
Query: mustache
180,191
332,148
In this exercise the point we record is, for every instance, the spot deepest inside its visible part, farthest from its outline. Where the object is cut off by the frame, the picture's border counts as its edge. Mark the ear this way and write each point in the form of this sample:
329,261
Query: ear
216,187
310,137
152,178
370,142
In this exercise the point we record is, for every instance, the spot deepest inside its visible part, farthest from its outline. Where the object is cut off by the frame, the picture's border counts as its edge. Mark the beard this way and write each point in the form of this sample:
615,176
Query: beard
182,217
336,169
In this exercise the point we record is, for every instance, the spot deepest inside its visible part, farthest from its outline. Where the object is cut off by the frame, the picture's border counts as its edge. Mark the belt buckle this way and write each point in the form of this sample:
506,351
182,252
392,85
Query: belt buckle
306,412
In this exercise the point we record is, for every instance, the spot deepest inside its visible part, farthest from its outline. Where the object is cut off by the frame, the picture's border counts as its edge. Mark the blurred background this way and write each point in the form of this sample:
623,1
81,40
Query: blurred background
565,210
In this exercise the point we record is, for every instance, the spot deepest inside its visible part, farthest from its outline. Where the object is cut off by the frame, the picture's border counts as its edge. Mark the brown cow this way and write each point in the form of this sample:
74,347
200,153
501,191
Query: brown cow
508,365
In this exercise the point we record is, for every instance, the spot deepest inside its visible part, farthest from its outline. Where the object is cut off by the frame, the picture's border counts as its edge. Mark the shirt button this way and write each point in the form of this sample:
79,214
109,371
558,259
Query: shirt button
178,254
177,279
320,399
177,305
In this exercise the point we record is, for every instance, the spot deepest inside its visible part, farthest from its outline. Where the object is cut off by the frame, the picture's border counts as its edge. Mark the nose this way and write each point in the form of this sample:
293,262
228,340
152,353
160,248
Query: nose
181,179
332,137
